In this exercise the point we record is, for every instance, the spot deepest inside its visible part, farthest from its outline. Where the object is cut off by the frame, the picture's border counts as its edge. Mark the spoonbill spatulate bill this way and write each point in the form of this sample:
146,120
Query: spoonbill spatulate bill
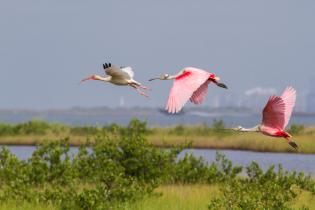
276,116
189,84
122,76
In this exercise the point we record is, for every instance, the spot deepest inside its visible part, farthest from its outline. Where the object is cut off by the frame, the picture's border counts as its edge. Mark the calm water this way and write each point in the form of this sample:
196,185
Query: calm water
290,162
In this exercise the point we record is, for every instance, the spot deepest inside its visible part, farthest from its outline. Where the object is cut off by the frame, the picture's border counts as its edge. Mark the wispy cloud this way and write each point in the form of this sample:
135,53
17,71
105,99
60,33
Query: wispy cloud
259,91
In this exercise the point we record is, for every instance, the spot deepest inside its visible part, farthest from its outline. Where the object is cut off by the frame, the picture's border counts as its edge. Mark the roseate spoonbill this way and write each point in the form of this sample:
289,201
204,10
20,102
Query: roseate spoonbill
190,83
119,76
276,116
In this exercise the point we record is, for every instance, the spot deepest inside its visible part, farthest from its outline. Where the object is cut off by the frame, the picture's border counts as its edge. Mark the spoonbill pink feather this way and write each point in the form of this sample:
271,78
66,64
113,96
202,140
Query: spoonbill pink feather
276,116
189,84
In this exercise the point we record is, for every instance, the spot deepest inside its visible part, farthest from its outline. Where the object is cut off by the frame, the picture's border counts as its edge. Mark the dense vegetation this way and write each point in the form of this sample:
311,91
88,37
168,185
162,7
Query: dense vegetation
112,170
202,136
37,127
262,190
100,176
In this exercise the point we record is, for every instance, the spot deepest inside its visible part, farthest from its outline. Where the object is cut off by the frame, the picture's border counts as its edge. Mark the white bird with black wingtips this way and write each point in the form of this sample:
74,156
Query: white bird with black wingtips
122,76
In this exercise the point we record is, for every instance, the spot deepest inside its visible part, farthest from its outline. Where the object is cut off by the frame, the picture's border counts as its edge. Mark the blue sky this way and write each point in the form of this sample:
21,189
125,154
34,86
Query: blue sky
47,47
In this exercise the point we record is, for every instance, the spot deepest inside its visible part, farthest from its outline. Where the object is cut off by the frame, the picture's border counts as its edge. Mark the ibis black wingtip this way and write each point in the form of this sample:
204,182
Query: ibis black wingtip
107,65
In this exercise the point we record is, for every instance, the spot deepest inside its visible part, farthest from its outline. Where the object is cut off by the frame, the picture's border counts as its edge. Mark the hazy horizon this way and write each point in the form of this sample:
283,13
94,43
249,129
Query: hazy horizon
48,47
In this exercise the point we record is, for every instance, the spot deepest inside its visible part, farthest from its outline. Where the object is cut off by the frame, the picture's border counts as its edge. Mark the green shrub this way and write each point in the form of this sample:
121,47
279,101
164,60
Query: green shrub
85,130
6,130
191,169
103,175
178,130
261,190
34,127
296,129
124,167
218,129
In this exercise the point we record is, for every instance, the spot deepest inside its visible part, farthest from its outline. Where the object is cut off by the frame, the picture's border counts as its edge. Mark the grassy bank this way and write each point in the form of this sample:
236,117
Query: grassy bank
125,171
14,205
170,197
252,142
201,136
177,197
192,197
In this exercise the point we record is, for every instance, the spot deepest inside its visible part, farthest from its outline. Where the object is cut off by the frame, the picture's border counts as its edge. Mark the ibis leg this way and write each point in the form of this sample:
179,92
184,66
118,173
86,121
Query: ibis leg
136,87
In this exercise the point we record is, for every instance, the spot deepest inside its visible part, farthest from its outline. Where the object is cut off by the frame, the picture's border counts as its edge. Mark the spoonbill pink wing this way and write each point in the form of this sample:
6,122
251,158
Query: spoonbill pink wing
184,86
289,97
200,94
274,113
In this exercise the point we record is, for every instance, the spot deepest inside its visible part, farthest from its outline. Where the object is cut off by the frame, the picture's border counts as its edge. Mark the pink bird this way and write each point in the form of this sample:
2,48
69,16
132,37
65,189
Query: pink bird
276,116
189,84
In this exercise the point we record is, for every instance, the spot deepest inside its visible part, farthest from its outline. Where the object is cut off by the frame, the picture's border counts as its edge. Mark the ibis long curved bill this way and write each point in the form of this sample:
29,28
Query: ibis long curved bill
92,77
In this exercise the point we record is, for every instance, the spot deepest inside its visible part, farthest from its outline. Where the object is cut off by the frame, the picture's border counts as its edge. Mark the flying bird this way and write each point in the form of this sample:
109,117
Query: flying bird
122,76
189,84
276,116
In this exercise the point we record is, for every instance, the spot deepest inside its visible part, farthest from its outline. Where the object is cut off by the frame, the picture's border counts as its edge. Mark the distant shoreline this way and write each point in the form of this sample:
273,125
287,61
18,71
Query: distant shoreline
254,143
198,136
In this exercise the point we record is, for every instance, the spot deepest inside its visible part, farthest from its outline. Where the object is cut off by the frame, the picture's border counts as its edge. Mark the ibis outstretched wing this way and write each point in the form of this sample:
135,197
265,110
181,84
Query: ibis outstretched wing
129,71
115,71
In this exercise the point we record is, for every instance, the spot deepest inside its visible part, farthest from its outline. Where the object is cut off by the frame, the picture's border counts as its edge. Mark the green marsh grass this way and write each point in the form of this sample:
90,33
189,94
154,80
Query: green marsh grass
170,197
12,205
201,136
197,197
177,197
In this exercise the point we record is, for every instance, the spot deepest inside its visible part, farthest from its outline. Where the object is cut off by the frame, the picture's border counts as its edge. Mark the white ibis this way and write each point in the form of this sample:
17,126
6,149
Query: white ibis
122,76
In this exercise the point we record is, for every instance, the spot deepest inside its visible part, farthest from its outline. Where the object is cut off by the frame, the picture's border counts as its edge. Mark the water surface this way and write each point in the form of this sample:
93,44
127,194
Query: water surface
290,162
